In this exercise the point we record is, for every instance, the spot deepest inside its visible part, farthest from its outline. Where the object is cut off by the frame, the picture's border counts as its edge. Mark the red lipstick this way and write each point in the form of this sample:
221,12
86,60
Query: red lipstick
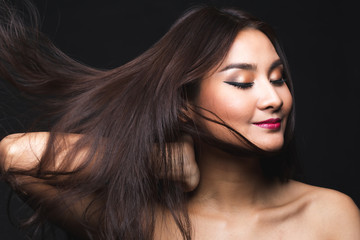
271,123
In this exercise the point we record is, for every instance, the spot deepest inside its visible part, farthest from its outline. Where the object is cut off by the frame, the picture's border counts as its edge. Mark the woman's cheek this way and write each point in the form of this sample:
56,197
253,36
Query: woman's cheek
287,100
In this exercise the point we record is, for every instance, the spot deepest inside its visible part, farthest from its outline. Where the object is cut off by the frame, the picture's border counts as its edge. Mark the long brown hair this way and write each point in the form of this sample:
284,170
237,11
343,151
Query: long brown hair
123,112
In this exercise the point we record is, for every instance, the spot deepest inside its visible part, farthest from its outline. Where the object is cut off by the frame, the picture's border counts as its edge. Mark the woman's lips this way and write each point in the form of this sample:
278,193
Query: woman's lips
271,123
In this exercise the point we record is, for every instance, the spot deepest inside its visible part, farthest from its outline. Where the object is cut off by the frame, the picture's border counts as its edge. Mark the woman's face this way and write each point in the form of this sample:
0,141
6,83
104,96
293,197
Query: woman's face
248,93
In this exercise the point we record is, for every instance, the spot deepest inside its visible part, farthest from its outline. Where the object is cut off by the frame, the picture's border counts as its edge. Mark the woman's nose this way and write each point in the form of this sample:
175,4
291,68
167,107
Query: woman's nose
269,98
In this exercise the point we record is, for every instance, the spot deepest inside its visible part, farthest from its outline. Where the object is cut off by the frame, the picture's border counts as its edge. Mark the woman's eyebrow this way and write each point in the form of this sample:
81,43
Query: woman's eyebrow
244,66
250,66
275,64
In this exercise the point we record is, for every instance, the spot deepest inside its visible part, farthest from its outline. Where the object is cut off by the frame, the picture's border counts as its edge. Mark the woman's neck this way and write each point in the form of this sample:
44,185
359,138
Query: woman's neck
229,183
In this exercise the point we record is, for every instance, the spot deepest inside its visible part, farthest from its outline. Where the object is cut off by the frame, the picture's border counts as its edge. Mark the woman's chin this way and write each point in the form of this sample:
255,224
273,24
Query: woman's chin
270,146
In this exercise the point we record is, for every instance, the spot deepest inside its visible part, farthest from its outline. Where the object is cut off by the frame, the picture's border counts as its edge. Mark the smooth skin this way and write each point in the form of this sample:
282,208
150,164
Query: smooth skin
233,200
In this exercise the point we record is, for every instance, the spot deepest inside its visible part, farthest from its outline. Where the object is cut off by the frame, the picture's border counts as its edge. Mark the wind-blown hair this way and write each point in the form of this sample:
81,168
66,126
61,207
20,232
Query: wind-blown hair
123,113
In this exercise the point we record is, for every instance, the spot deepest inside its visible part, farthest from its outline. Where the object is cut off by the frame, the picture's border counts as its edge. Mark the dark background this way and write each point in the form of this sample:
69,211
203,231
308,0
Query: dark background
319,38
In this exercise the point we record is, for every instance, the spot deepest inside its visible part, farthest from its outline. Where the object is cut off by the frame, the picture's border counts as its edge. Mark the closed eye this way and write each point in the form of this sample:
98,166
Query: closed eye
278,82
240,85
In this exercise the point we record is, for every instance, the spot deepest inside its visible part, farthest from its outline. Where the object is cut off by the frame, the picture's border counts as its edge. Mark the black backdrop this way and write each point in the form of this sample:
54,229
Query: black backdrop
320,40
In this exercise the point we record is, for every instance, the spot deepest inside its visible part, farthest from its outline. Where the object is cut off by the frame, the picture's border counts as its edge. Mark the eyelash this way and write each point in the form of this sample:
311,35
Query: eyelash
278,82
240,85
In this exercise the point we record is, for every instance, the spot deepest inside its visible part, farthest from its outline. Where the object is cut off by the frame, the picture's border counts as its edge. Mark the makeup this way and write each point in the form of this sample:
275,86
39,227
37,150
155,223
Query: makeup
271,123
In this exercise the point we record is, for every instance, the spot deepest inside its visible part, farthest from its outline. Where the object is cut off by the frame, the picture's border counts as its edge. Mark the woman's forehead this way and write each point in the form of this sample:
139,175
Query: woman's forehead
253,47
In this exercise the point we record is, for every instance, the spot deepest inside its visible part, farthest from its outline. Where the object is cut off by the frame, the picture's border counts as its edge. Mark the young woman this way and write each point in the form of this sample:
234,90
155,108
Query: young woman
120,147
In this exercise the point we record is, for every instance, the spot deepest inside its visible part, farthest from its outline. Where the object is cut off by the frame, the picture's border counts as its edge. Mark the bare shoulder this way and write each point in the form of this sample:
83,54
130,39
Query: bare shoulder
328,201
334,214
